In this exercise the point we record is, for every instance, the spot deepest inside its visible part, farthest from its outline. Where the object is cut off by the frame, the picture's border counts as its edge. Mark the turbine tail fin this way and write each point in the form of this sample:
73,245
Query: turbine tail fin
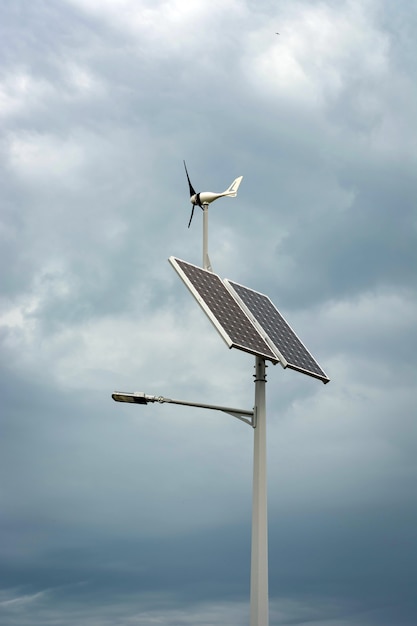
232,190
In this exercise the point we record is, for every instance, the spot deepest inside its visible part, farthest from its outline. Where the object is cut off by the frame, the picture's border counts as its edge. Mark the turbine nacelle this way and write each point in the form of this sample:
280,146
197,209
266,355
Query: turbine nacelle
206,197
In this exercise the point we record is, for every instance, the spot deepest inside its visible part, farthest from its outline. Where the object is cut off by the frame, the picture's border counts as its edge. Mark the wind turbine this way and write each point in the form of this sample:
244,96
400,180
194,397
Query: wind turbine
206,197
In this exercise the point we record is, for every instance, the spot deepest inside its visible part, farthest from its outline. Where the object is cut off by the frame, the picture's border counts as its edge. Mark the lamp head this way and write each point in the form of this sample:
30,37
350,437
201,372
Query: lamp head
137,398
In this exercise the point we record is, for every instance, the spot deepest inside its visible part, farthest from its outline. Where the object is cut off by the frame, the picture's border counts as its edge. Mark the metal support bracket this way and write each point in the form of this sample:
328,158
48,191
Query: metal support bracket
139,397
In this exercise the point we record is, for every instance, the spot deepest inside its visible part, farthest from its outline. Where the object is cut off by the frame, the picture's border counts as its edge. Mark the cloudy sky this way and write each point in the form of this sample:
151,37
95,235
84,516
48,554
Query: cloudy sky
114,514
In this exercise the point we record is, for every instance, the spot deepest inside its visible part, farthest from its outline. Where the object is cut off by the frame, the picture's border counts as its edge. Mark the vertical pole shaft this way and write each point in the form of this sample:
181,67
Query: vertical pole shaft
259,610
206,260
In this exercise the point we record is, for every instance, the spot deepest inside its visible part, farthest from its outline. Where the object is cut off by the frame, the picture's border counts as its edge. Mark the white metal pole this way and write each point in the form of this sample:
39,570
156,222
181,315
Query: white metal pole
206,260
259,610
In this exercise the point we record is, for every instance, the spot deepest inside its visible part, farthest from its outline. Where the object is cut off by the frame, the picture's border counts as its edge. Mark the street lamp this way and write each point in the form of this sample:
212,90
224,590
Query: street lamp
259,544
142,398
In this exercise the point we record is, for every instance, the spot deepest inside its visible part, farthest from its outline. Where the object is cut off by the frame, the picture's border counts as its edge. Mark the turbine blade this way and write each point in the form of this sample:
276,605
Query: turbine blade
192,213
192,190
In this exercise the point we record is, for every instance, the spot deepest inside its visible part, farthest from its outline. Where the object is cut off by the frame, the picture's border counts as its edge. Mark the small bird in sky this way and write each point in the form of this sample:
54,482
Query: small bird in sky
277,33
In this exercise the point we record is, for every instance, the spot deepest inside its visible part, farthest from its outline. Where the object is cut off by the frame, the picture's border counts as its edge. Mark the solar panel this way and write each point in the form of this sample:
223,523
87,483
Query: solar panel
282,339
235,327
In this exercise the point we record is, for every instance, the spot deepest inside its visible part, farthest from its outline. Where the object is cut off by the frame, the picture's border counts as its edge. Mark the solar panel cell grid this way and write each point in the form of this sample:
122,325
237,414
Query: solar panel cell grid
279,331
220,305
247,319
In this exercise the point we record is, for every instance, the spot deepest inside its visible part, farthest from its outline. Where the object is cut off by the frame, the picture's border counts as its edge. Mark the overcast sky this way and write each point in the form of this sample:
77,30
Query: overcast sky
114,514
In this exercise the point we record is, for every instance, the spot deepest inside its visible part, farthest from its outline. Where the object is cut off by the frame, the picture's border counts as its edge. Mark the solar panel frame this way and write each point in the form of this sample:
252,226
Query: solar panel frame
280,336
231,321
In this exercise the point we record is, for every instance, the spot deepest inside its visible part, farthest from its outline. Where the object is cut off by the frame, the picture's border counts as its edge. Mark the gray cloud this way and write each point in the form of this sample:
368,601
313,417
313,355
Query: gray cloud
113,513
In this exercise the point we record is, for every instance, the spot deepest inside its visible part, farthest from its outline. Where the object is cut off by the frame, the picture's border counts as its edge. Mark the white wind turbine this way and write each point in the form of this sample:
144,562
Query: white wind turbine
203,199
